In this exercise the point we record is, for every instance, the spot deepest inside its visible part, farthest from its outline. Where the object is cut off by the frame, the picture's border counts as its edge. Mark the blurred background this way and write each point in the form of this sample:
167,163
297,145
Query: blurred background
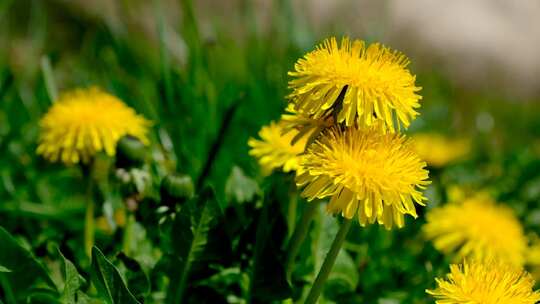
194,66
479,50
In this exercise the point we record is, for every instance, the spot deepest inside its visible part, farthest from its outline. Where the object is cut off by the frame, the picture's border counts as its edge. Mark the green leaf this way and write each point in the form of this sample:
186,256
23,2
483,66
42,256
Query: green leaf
73,281
20,270
190,237
108,282
41,295
226,279
43,211
137,279
82,298
4,269
239,187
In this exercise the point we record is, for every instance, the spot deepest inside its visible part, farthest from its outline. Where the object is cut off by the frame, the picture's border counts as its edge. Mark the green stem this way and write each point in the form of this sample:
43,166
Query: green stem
298,236
328,263
89,225
89,228
128,233
291,218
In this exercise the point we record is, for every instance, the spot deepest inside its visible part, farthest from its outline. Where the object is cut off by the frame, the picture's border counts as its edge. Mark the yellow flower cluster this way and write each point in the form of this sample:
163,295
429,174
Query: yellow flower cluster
490,235
346,104
339,135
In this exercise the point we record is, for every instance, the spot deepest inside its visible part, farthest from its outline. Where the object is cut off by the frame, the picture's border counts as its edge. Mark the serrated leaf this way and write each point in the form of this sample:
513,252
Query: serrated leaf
73,281
21,269
108,282
190,238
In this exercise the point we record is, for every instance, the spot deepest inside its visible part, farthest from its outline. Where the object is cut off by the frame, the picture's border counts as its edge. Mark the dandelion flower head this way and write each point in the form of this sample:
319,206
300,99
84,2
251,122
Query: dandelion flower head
84,122
355,82
276,148
366,173
485,282
478,228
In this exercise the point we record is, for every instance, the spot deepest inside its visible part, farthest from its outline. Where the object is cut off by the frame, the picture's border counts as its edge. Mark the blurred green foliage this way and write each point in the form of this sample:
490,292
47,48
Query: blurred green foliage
225,245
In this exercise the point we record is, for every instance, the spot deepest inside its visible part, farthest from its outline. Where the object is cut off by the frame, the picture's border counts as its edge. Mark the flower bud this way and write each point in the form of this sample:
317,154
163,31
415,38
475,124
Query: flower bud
130,152
176,189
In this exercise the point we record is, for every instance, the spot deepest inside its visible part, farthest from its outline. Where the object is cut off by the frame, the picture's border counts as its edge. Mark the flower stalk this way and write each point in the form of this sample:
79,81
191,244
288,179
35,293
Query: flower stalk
128,233
328,263
89,222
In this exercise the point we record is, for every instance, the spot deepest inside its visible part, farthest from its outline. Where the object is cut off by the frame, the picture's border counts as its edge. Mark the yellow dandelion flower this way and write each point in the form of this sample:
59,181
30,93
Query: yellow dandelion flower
438,150
372,82
477,228
275,149
488,282
368,173
86,121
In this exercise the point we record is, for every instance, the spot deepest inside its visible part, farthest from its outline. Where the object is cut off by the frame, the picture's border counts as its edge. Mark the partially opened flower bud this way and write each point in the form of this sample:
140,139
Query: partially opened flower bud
130,152
176,189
